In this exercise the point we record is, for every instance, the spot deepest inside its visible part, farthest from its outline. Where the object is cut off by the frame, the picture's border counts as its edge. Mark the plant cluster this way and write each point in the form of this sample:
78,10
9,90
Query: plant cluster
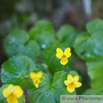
41,61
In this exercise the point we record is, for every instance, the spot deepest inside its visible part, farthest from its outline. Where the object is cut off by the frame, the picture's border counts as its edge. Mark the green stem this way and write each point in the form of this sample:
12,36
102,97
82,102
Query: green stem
65,68
26,82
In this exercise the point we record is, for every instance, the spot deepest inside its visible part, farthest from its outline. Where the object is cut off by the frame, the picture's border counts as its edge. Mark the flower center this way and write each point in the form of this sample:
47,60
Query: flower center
36,81
71,84
63,56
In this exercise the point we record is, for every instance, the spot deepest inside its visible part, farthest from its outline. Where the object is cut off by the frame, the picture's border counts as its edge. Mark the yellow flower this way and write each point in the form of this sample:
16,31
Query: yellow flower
36,78
63,55
72,83
12,93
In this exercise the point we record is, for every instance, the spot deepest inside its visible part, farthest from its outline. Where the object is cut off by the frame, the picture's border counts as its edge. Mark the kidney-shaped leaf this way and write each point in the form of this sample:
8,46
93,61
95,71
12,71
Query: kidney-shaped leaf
94,25
89,45
43,33
17,42
49,92
16,70
67,34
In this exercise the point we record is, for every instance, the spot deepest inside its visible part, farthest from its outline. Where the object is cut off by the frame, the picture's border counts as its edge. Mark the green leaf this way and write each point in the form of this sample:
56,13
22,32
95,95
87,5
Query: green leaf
88,47
16,70
4,100
90,92
95,72
44,68
43,33
17,42
93,92
45,25
49,57
73,73
49,93
94,25
67,34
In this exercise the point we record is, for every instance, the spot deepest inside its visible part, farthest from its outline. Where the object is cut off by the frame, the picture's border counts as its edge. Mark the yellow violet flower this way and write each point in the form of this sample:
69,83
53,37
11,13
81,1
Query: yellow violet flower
12,93
36,78
72,83
63,55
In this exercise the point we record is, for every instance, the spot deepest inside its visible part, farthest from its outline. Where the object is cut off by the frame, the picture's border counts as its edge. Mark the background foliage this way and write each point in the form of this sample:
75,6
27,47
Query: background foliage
30,32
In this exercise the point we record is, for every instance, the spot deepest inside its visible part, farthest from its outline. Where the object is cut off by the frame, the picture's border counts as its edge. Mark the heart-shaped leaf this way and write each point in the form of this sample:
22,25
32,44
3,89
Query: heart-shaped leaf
17,42
67,34
88,45
49,57
47,92
43,33
4,100
16,70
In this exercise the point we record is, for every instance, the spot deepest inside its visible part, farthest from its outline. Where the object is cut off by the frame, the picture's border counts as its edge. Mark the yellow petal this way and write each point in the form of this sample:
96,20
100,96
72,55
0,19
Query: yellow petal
58,50
10,86
67,52
76,78
36,82
78,84
66,82
64,61
32,75
38,75
70,78
67,55
18,92
36,85
12,89
59,53
6,92
12,99
70,88
35,76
